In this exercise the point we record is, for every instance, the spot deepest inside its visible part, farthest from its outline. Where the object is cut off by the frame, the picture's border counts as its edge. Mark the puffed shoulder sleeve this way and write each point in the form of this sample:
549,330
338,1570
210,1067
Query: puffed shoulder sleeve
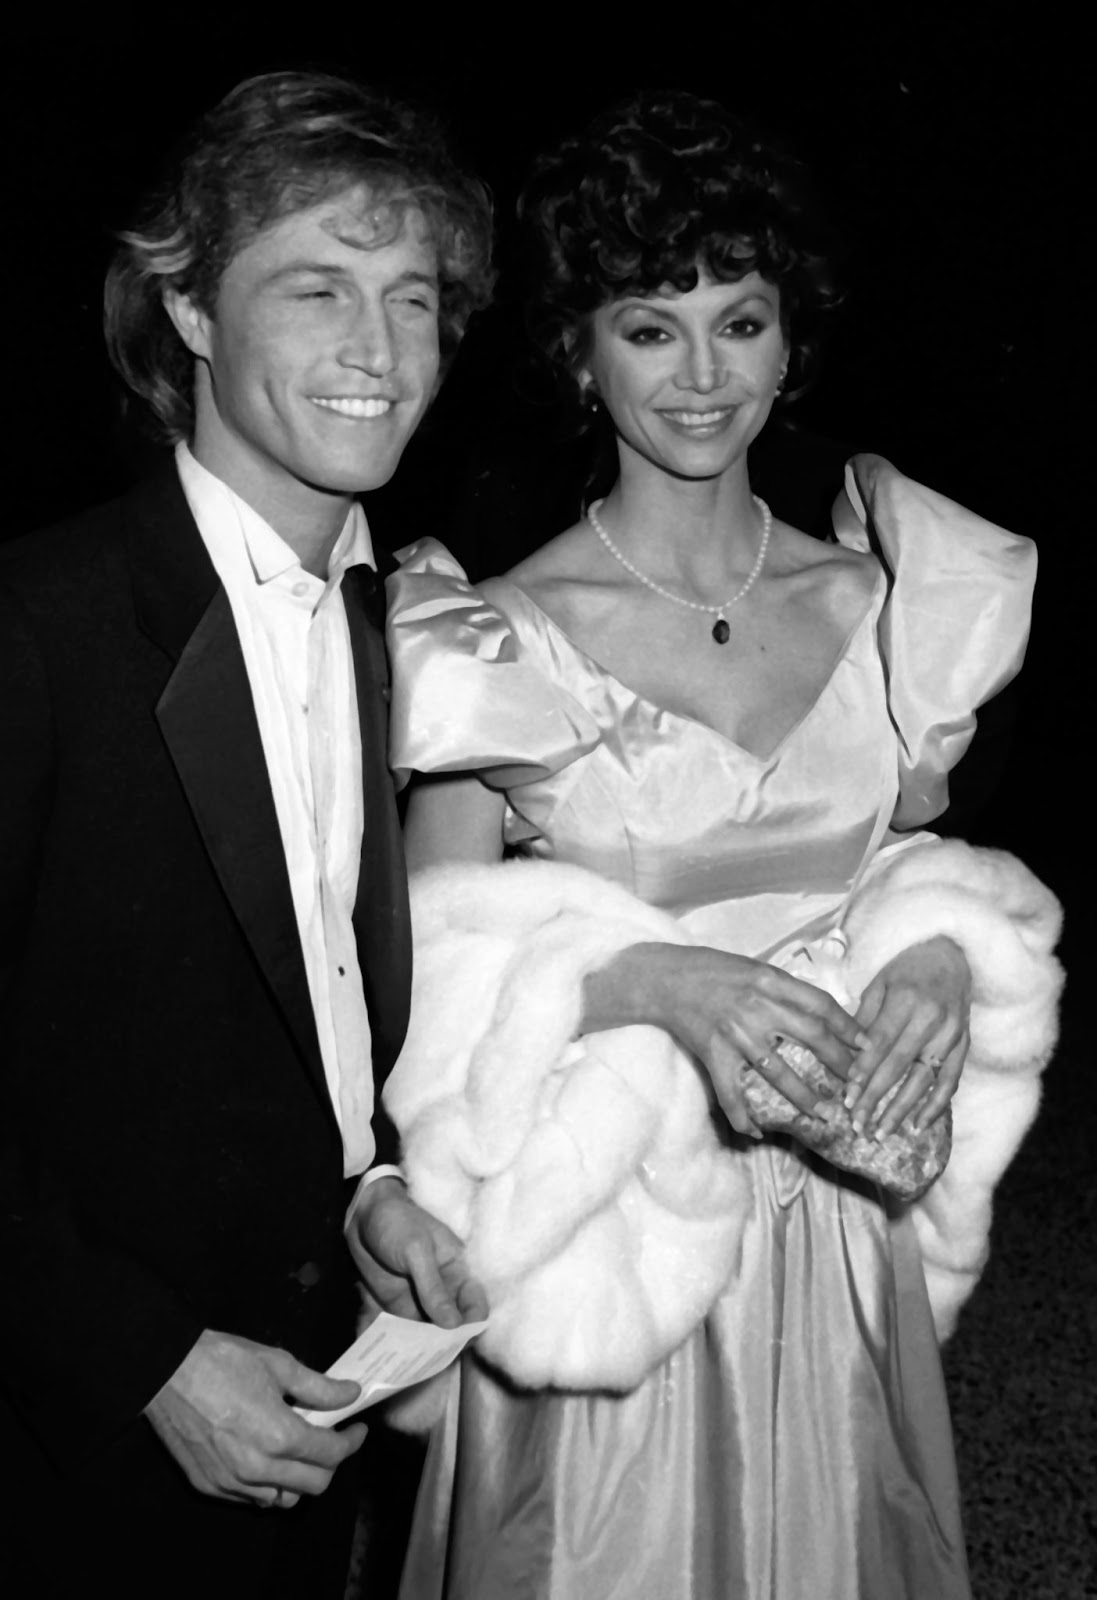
467,696
953,627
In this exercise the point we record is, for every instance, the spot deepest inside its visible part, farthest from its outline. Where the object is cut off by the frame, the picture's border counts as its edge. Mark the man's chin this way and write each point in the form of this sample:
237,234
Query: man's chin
349,478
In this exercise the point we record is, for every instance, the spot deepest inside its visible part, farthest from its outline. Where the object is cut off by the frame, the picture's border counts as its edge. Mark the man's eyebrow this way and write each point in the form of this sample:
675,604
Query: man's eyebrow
304,264
327,269
429,278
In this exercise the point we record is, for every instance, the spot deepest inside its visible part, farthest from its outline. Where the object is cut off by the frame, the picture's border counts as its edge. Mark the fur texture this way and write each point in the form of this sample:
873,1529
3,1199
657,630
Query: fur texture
1007,923
585,1175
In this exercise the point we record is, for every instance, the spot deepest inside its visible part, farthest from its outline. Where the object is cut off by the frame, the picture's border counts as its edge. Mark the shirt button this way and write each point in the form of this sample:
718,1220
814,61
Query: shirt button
300,590
309,1275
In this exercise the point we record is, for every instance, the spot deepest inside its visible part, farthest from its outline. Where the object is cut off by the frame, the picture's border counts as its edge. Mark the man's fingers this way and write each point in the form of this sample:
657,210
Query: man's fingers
467,1295
472,1301
312,1390
430,1289
323,1447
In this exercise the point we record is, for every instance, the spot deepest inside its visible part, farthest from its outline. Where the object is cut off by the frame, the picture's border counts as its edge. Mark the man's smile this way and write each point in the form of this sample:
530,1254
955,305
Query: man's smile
353,406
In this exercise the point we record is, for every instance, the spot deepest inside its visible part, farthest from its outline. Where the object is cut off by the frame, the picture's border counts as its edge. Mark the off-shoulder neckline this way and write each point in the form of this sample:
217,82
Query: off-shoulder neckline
595,666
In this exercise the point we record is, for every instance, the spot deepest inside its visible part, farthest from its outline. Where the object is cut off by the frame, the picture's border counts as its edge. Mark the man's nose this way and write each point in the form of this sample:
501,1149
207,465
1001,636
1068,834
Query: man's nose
369,344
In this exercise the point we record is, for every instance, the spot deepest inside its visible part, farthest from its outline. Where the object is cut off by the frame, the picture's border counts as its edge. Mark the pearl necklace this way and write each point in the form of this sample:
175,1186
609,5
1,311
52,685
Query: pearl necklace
721,631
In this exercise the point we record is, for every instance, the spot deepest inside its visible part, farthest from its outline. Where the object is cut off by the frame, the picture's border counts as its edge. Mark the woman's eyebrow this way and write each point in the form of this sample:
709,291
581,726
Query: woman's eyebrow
667,308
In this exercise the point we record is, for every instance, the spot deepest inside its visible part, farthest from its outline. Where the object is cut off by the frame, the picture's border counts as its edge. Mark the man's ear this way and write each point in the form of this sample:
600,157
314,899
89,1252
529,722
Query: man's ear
191,324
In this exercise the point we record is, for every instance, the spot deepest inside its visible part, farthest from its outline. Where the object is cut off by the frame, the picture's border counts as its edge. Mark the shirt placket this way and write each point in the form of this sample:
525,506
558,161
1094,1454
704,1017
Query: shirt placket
336,883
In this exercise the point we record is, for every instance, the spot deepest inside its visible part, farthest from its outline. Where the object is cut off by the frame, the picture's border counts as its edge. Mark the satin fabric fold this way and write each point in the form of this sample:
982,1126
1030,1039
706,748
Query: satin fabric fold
795,1447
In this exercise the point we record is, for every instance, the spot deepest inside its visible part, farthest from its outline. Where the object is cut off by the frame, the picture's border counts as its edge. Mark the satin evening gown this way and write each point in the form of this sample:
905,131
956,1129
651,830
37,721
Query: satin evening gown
797,1446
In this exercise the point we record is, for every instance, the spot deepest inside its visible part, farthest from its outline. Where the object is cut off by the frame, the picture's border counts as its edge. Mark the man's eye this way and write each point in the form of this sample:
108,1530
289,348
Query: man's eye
315,294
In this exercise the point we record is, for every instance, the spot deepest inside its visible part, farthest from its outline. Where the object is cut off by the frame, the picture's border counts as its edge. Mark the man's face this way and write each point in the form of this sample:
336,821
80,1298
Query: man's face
321,354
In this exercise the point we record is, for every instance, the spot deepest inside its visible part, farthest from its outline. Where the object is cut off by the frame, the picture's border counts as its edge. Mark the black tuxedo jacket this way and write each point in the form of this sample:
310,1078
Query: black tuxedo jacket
170,1156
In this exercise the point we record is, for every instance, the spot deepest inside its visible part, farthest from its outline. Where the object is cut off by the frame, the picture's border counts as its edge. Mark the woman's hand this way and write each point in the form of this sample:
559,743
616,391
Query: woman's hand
915,1012
728,1011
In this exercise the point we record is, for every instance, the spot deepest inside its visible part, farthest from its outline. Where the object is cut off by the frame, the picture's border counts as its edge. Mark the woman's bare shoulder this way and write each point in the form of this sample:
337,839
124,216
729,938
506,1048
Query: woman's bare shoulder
794,552
556,575
823,574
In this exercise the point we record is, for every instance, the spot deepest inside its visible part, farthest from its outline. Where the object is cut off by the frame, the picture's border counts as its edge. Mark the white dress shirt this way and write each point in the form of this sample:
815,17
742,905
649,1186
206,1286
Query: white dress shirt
296,646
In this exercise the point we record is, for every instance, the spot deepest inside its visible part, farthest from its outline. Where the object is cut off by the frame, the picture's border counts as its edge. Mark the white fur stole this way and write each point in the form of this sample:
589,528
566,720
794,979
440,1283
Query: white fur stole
584,1174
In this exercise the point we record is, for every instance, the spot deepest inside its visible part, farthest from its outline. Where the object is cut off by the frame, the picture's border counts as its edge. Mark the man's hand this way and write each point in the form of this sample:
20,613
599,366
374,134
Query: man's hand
411,1264
225,1418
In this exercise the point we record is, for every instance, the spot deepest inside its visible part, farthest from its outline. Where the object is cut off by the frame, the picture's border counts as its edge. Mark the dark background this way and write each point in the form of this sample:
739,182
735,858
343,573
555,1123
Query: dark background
948,139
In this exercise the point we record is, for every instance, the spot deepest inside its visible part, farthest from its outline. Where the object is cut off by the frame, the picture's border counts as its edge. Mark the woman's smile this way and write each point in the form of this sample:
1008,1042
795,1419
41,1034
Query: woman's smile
698,424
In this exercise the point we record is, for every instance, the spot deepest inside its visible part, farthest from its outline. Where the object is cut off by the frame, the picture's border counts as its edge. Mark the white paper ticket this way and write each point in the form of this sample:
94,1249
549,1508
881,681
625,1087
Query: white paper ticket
392,1354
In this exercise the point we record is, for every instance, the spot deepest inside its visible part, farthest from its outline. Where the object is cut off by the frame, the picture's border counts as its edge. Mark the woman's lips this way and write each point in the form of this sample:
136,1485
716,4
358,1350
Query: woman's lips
700,424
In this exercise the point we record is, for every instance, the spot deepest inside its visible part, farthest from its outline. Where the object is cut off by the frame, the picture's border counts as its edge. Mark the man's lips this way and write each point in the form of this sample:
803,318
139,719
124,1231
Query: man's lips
359,408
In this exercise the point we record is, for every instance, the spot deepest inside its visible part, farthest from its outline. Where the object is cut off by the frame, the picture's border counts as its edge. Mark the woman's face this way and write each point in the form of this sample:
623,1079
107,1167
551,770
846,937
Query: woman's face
689,378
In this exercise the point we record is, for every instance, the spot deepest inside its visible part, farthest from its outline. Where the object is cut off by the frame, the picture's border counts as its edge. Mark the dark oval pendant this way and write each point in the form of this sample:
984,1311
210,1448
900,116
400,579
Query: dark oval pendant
721,632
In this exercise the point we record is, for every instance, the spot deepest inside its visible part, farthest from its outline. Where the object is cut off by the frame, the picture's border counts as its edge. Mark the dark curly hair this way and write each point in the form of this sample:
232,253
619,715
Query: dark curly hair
656,187
274,145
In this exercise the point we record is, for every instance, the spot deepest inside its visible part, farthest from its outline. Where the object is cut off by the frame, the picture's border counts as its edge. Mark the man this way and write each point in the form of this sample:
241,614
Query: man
202,898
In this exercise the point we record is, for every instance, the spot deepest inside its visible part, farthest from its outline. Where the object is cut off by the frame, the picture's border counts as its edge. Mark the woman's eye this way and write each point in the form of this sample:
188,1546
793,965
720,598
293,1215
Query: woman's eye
645,335
745,327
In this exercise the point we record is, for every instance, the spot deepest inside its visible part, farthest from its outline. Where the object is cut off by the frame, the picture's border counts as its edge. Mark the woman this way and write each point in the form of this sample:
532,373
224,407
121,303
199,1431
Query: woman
734,722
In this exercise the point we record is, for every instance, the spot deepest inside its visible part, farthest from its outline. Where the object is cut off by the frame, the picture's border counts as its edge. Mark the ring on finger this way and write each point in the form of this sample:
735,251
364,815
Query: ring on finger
931,1063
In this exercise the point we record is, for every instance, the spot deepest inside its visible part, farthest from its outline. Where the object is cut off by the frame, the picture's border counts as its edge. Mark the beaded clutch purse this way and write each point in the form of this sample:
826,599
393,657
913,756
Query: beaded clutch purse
902,1162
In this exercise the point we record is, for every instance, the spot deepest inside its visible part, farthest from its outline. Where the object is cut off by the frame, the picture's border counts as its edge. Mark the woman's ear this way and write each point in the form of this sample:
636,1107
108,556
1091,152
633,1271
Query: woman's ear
588,389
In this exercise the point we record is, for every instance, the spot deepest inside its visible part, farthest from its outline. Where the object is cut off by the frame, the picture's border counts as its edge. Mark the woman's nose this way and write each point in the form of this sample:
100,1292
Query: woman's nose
704,370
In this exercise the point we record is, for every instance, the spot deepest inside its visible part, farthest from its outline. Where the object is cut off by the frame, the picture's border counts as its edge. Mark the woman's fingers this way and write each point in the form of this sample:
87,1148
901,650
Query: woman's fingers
814,1034
785,1080
920,1078
927,1075
947,1080
725,1068
895,1046
871,1001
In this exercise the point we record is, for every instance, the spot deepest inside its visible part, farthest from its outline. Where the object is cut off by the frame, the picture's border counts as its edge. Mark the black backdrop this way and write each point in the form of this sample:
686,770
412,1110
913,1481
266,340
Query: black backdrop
944,136
948,137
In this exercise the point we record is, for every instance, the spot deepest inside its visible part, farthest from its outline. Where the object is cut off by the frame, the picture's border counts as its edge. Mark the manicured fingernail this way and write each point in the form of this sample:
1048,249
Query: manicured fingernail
858,1123
849,1100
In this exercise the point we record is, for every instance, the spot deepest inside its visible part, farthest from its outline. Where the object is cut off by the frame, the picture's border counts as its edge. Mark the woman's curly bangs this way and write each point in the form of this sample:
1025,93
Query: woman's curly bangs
655,189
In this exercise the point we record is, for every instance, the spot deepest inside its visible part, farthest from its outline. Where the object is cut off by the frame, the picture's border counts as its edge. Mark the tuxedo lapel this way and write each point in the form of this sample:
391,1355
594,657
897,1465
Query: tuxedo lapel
382,922
207,716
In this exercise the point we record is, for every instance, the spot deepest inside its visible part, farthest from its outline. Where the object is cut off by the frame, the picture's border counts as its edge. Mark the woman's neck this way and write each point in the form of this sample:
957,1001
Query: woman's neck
701,533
